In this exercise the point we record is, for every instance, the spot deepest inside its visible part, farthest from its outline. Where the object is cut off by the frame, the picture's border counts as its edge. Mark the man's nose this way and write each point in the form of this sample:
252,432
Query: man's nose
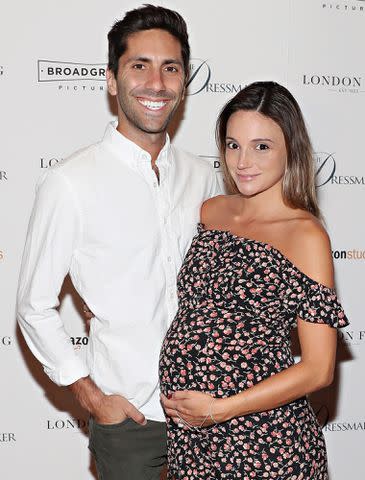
155,80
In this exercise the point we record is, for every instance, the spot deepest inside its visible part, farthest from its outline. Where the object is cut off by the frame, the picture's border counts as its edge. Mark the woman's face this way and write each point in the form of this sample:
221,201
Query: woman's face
255,152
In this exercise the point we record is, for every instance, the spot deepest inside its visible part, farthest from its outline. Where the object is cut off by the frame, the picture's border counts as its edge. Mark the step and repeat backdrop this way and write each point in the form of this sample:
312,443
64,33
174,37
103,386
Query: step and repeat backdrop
54,100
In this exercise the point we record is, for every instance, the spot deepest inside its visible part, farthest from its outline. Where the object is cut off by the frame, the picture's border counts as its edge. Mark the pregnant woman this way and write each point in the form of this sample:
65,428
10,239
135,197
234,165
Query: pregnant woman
259,266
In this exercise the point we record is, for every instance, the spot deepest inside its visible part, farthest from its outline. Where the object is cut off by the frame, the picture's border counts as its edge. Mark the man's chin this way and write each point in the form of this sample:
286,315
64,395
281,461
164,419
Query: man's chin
154,129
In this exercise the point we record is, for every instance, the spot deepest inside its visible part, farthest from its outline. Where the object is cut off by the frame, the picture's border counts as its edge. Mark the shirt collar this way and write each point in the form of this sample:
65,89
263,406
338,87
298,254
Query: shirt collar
131,153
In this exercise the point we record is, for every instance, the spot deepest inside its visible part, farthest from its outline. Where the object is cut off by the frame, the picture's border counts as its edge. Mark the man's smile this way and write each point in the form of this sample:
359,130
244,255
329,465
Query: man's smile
153,104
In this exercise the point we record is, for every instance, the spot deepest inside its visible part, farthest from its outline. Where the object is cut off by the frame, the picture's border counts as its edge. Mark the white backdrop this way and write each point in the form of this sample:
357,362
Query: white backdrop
315,48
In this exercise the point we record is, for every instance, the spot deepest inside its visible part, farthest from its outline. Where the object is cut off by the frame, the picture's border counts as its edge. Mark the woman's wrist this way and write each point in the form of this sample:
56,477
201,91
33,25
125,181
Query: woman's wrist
222,410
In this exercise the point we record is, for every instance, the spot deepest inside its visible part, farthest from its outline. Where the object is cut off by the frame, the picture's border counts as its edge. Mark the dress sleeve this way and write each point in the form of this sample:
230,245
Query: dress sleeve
319,304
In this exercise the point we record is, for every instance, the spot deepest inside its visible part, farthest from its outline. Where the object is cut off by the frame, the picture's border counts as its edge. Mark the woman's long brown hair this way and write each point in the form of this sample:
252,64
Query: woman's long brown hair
276,102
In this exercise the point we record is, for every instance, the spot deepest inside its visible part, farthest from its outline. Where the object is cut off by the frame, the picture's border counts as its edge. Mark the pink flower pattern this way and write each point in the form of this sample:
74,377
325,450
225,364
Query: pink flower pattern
238,302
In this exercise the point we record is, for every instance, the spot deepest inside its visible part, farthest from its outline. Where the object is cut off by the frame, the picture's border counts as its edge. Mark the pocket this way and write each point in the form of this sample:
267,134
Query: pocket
111,426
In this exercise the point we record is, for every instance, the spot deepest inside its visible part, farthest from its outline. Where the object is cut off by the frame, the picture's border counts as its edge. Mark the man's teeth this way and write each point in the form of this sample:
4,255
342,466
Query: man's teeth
152,105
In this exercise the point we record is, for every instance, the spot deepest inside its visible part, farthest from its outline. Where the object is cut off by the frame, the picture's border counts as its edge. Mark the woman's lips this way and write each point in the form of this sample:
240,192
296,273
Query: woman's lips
247,177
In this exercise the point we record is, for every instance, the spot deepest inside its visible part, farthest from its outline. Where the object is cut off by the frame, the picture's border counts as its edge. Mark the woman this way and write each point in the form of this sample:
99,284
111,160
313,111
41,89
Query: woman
259,266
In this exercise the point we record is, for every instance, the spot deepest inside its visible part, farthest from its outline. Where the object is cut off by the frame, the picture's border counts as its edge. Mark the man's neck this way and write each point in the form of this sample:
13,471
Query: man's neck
152,143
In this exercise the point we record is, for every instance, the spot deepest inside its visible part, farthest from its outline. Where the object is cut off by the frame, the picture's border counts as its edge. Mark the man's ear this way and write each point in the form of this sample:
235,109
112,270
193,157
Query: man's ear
111,82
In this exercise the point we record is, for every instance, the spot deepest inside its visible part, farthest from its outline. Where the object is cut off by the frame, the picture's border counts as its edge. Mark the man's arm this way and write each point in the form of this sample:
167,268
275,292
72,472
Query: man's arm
53,236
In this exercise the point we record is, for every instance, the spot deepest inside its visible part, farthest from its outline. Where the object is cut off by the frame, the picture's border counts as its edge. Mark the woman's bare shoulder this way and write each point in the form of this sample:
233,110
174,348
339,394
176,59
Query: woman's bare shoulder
214,208
310,248
309,232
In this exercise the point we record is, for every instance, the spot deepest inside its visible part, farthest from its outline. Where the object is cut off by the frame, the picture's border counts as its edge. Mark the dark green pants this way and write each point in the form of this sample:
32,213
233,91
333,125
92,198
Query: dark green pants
128,451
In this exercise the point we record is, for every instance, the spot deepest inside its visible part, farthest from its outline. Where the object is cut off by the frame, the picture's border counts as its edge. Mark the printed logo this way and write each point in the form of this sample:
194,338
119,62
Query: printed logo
79,342
76,425
5,341
200,80
51,71
200,74
7,437
335,83
345,427
323,416
213,159
1,70
48,162
344,7
72,76
3,175
325,167
353,254
352,337
326,172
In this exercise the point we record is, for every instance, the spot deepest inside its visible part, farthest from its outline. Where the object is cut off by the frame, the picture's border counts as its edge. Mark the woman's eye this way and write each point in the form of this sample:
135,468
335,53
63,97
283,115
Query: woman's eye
262,146
231,145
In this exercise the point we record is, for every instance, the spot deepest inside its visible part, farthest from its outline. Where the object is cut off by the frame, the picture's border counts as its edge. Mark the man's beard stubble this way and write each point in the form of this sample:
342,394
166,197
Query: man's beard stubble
133,117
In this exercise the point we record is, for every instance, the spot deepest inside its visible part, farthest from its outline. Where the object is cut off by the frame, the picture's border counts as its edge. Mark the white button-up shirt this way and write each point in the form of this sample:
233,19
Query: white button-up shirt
103,217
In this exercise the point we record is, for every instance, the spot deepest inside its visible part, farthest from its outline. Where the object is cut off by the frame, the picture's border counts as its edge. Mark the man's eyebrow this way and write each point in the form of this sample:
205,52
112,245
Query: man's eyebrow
167,61
139,59
172,60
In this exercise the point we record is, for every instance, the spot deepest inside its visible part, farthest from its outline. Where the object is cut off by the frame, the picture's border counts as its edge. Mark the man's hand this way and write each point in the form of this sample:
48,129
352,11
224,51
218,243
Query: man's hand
106,409
114,409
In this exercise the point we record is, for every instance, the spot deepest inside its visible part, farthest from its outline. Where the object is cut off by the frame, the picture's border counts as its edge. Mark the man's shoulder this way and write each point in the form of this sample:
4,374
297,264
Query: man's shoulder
67,173
78,161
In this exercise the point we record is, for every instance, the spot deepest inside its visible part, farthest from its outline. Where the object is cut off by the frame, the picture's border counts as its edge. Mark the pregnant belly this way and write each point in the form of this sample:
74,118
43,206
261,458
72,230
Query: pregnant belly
217,355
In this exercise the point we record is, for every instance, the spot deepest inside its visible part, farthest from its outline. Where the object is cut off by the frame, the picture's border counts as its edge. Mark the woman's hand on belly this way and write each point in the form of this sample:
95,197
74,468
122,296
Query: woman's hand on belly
196,409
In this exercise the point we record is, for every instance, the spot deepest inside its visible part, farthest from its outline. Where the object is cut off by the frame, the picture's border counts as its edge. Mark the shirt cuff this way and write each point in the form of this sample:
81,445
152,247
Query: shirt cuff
69,372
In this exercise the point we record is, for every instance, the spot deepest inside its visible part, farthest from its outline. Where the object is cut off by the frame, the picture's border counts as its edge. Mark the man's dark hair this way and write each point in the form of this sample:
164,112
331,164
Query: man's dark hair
146,18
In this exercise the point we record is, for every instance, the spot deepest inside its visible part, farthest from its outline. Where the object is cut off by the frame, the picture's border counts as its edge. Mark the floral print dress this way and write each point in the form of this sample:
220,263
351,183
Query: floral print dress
239,299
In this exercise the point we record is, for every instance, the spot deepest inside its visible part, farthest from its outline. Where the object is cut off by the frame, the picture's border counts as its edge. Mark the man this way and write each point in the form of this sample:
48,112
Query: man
121,229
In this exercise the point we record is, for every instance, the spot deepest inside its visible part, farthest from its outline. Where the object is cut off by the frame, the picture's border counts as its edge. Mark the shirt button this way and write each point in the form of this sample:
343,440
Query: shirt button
169,259
172,295
165,221
154,184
